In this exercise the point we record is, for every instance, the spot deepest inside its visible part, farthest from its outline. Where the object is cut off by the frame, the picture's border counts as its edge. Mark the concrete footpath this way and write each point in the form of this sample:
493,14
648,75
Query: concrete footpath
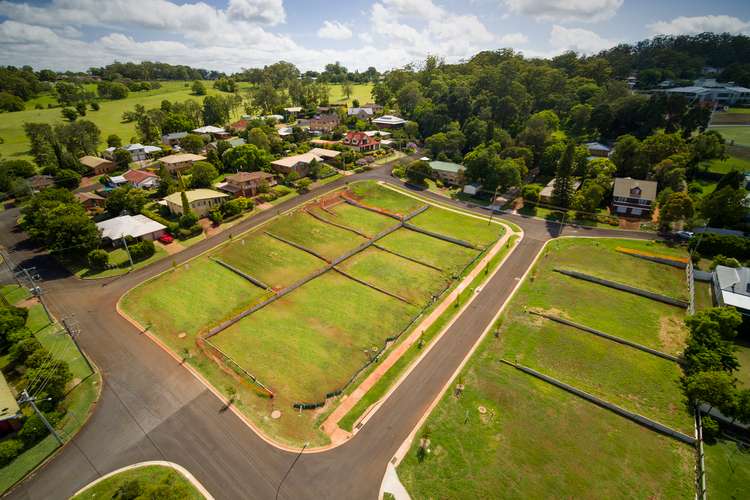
330,426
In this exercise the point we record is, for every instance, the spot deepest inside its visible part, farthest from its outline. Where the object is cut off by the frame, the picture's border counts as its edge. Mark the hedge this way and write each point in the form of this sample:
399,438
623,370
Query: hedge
710,245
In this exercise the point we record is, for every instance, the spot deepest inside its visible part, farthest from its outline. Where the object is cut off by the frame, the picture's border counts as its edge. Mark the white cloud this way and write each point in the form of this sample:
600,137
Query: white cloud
460,27
689,25
265,11
419,8
565,10
366,38
334,30
578,40
512,39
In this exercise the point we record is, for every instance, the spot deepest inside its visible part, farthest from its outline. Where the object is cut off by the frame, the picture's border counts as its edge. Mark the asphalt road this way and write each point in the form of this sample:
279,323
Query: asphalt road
152,409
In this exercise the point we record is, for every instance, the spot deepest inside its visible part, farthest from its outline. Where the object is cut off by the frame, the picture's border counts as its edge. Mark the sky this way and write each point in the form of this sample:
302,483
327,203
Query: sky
228,35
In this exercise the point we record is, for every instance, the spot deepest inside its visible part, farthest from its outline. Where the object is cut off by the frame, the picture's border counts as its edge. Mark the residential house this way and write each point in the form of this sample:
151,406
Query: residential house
10,412
39,182
239,125
597,150
136,226
142,179
217,133
324,123
389,121
138,152
284,130
633,196
732,288
301,163
246,183
546,194
233,142
96,165
376,108
180,162
360,141
710,91
173,139
201,201
323,142
448,172
364,114
377,133
89,200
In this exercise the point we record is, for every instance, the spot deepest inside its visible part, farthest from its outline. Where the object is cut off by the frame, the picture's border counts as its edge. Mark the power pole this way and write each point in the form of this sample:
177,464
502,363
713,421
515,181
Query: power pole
35,289
492,205
290,467
125,242
71,326
25,398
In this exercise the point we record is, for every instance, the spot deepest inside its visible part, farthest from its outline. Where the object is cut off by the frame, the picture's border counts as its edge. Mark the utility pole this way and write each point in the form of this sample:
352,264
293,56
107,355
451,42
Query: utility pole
125,242
35,289
492,205
25,398
290,467
73,330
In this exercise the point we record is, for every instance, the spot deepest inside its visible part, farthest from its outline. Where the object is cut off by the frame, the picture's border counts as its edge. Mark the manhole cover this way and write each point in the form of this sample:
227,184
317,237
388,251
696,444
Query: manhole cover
275,414
482,410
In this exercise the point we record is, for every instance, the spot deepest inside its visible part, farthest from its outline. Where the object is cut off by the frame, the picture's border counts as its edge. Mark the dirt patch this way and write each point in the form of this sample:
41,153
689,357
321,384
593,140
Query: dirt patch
353,197
28,303
672,334
630,223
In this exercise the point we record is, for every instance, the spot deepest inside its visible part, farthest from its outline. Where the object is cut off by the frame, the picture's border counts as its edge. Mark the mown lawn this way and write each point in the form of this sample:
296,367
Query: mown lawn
311,341
118,258
361,92
534,438
447,256
394,274
167,304
148,475
305,230
373,194
14,293
740,135
537,441
108,118
274,262
727,470
725,166
357,218
476,231
743,356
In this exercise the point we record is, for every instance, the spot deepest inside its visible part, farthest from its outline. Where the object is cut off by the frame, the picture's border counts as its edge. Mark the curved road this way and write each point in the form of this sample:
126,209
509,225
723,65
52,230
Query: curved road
153,409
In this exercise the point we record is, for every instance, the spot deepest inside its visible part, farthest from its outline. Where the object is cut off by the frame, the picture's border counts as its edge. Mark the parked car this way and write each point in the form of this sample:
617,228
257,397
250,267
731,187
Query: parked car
166,238
684,235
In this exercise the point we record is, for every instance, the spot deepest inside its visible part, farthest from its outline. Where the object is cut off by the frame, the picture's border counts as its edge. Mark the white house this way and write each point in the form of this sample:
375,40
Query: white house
136,226
633,196
732,287
389,121
709,90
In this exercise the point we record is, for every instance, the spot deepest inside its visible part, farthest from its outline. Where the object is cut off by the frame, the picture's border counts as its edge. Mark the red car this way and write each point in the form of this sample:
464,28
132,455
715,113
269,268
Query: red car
166,238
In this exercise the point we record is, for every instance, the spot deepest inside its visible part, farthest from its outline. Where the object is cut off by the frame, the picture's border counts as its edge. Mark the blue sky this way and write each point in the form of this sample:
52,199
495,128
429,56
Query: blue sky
228,35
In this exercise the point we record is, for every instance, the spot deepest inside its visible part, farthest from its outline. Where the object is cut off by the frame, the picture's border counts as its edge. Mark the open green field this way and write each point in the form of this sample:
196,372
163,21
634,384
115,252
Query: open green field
739,134
725,166
305,230
743,356
361,92
311,341
727,469
476,231
108,118
303,359
273,262
531,437
147,475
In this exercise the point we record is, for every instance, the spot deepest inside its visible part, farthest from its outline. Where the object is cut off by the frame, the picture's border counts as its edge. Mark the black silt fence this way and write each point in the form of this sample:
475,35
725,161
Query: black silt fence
296,245
440,236
406,257
251,279
658,260
381,212
335,224
625,288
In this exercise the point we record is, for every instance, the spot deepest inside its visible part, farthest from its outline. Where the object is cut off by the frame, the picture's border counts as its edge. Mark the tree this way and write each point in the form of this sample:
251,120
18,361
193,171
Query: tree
418,171
69,93
114,141
10,102
303,185
81,108
122,158
628,158
679,206
125,199
246,157
484,166
198,88
69,114
216,110
347,89
258,138
98,259
78,138
725,207
710,346
562,193
202,174
68,179
193,143
715,388
589,197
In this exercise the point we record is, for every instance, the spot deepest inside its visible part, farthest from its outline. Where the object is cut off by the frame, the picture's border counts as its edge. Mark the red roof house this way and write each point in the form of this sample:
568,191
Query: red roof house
360,141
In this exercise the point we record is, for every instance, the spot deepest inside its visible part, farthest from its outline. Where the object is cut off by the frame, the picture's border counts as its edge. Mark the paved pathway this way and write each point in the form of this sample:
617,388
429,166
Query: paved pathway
152,409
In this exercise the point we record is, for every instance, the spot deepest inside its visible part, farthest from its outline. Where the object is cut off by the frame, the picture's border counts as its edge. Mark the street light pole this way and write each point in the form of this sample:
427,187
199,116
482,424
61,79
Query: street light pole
290,467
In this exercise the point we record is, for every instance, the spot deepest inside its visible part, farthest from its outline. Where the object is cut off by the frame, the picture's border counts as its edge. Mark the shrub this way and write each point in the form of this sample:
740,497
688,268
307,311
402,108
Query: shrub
399,172
95,106
33,429
9,450
530,192
188,220
720,260
22,349
142,250
710,245
282,190
216,216
710,429
98,259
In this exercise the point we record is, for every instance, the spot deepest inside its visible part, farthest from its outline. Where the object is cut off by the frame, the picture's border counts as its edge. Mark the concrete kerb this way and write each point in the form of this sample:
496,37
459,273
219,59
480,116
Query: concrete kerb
180,469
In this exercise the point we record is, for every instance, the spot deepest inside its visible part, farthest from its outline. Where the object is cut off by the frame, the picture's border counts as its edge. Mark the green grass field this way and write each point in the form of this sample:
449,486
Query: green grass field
108,118
302,360
534,438
305,230
725,166
313,340
740,134
361,92
148,475
727,470
476,231
743,356
273,262
373,194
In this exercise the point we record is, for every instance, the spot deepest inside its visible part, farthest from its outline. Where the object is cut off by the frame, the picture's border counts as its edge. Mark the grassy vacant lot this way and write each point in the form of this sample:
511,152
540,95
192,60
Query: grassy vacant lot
305,230
313,340
724,166
148,475
361,92
534,438
273,262
373,194
475,231
108,118
739,134
302,360
727,470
